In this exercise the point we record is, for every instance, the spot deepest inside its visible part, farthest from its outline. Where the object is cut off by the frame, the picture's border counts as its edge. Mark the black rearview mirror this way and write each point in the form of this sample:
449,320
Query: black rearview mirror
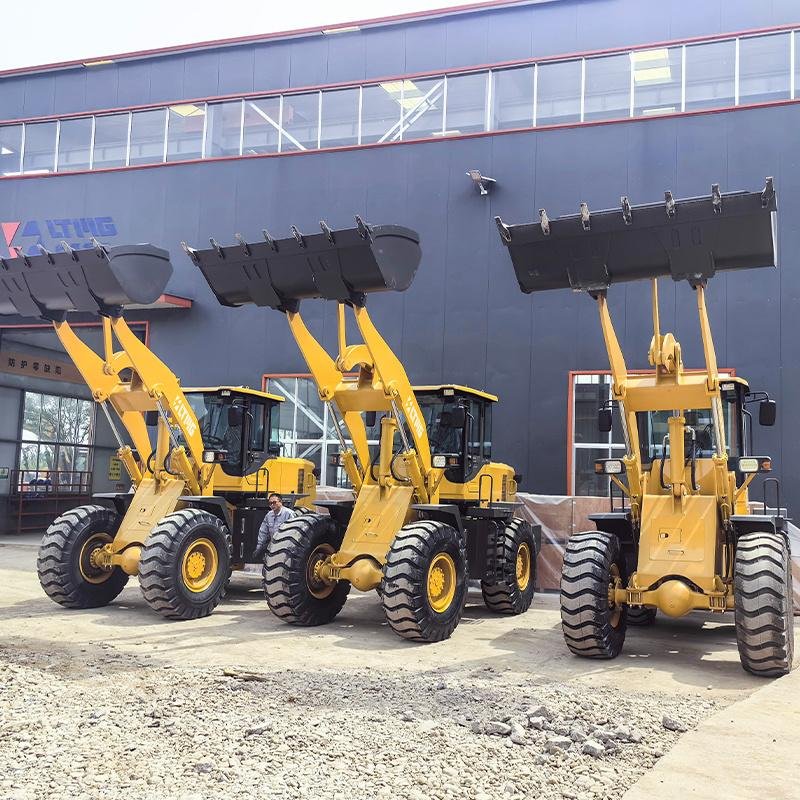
235,416
370,417
767,411
604,420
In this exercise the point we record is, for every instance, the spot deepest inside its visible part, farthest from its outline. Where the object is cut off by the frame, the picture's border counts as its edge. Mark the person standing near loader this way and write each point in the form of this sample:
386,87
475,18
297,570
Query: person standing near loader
275,517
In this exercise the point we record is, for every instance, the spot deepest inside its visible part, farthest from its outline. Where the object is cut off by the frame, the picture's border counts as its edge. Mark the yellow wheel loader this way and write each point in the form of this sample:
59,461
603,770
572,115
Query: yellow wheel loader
431,508
200,488
687,537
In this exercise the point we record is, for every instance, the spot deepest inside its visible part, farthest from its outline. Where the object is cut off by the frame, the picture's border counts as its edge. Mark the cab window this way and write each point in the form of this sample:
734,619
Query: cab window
257,418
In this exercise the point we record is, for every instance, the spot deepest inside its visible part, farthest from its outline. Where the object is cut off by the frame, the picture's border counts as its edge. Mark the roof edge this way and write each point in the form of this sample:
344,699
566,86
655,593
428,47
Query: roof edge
294,33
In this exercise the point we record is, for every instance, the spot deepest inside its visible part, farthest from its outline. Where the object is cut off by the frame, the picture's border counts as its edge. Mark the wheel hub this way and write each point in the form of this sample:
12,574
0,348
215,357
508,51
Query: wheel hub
318,584
199,565
441,582
614,608
90,559
523,566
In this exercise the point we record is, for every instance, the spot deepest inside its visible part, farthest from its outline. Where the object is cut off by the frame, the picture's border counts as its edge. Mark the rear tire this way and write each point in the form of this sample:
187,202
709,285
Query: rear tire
513,556
592,626
63,564
185,564
424,585
641,616
763,604
293,592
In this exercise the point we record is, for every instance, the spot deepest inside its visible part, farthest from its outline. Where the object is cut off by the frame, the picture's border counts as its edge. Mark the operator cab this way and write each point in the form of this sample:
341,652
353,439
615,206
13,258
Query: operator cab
239,426
459,423
700,433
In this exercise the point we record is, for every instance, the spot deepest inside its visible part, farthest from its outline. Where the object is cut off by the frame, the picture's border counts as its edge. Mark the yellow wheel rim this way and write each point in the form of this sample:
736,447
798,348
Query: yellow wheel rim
199,565
90,572
523,566
319,586
441,582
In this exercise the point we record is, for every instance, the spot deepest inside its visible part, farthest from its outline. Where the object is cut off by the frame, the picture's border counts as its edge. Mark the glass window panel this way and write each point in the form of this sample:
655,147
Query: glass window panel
423,104
587,481
110,141
40,147
147,137
710,75
10,149
261,124
66,459
380,112
50,412
656,81
31,414
796,35
47,460
339,118
224,128
74,144
82,459
68,419
512,99
764,69
466,103
299,124
85,429
558,98
587,400
185,131
28,459
608,87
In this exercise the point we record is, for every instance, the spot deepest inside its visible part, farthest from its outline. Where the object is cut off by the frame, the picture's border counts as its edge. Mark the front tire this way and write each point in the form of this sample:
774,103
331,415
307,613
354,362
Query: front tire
294,590
64,563
185,564
593,627
513,556
763,604
424,584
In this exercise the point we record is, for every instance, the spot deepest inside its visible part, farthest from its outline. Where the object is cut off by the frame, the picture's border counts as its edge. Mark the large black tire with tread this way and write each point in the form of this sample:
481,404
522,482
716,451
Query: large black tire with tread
162,576
642,616
512,592
763,604
63,565
288,573
592,626
417,549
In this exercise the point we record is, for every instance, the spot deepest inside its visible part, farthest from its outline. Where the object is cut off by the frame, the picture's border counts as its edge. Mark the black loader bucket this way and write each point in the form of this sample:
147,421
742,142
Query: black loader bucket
97,281
334,265
688,239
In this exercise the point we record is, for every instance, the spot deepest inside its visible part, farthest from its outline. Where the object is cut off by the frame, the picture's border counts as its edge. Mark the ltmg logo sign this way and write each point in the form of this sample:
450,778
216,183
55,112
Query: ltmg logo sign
51,233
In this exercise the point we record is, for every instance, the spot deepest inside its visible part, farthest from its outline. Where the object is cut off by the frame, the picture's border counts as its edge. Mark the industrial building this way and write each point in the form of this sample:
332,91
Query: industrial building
552,102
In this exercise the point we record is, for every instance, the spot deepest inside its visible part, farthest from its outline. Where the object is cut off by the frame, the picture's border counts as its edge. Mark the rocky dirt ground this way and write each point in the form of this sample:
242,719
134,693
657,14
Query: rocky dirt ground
91,721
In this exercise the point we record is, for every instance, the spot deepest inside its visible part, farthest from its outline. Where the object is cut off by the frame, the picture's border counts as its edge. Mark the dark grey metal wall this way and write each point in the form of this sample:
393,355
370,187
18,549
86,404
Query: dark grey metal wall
464,319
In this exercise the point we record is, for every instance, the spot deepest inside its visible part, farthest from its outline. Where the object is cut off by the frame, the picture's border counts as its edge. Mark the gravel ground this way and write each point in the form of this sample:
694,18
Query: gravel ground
93,722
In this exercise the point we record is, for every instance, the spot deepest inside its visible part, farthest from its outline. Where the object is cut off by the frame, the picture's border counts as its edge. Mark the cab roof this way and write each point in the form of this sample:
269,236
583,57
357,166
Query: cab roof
236,390
456,388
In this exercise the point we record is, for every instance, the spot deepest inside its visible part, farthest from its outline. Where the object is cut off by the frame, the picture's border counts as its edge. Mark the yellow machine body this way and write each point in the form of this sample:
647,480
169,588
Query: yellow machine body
133,381
684,558
401,474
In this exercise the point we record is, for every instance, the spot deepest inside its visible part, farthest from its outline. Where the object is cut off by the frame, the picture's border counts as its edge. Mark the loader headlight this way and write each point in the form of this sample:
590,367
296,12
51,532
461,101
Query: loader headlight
609,466
752,464
337,460
439,462
215,456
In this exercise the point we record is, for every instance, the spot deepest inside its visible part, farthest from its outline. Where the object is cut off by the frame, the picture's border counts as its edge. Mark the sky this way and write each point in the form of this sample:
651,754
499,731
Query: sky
38,32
